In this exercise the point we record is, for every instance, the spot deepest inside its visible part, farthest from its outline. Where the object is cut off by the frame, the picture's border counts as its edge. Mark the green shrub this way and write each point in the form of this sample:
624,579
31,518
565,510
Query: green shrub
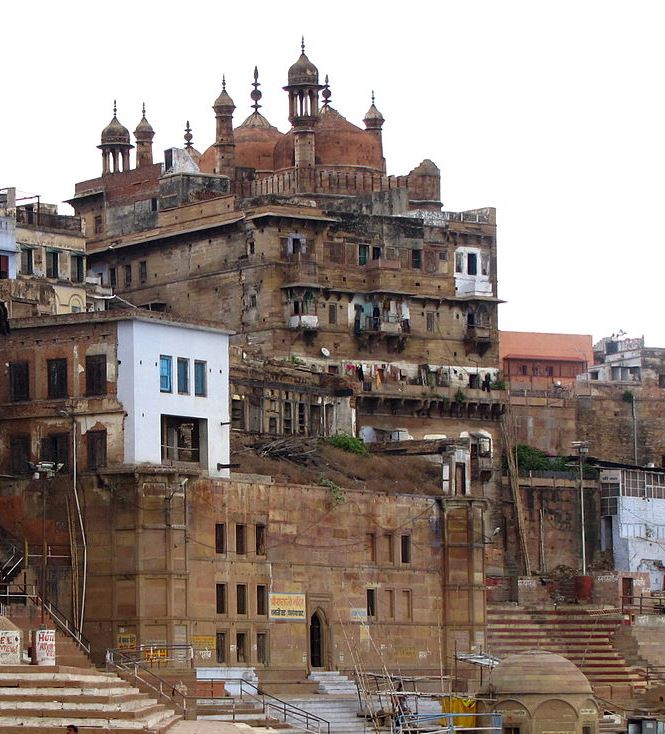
349,443
460,397
337,494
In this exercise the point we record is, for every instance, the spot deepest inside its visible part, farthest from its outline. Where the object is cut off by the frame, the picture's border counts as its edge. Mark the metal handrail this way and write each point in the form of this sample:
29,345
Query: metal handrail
159,686
645,604
145,654
56,615
286,710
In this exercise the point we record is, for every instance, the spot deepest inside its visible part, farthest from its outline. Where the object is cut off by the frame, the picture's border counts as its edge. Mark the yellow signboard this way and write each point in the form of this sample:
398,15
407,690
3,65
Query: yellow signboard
289,607
126,641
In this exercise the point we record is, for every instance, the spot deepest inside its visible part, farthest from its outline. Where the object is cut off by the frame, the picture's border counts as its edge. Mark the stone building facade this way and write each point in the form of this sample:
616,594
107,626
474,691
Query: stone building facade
43,267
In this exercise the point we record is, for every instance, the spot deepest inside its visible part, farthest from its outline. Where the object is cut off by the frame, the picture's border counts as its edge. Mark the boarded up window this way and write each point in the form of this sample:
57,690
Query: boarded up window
55,448
332,313
19,454
19,377
95,374
241,598
241,540
262,647
261,600
431,262
220,593
221,647
335,252
220,537
96,449
57,378
260,540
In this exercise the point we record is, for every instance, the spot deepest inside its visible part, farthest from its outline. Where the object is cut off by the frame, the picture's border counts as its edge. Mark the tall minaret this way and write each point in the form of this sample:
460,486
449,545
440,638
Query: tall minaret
224,142
143,136
303,89
373,124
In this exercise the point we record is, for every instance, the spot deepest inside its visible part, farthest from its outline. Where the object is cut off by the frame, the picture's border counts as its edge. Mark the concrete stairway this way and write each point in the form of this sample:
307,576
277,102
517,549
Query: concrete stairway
643,646
333,682
43,700
584,636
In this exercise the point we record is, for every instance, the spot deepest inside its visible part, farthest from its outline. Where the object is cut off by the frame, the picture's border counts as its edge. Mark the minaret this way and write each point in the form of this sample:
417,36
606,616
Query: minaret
373,124
303,89
143,136
115,146
224,142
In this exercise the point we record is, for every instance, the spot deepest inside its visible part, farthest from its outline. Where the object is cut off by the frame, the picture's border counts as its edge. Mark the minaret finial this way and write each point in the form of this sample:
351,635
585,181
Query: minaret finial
372,96
326,93
256,93
115,108
188,136
144,109
302,44
223,83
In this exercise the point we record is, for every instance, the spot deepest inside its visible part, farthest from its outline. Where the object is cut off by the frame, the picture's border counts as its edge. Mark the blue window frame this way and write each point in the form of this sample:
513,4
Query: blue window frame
183,375
165,365
200,379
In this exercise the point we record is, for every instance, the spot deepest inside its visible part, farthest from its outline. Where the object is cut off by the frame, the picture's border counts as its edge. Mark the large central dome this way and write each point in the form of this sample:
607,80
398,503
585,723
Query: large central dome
338,142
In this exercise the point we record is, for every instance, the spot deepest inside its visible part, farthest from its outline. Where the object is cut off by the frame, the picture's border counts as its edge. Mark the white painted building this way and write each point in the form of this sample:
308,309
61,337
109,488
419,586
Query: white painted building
173,381
633,520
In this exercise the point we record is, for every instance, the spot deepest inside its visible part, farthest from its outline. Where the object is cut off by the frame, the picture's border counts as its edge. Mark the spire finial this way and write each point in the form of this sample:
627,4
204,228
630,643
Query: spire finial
144,109
115,108
302,44
223,83
326,93
372,96
256,94
188,136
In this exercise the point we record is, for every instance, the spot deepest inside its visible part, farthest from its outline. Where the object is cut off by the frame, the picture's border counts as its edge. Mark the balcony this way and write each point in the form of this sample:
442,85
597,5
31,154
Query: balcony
478,339
306,322
300,267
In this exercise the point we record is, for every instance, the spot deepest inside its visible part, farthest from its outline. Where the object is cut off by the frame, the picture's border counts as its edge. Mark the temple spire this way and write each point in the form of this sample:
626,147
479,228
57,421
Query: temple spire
256,93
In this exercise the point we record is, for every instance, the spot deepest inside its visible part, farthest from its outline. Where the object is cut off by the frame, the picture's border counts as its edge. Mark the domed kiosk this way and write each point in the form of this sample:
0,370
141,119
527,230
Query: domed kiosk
538,691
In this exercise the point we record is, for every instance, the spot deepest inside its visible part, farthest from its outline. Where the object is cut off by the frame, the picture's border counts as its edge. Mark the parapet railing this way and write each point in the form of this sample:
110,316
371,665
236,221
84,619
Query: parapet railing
154,655
643,604
271,706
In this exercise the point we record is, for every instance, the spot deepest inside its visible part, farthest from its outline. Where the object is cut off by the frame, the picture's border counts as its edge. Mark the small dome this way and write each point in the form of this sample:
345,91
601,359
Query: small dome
115,133
224,99
303,71
144,129
373,118
538,672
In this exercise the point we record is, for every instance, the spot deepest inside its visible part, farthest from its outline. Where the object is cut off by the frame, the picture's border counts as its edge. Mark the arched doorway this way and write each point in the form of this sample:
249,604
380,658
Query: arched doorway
316,640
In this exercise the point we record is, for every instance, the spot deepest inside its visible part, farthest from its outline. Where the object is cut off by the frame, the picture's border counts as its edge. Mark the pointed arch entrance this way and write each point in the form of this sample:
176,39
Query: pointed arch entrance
317,639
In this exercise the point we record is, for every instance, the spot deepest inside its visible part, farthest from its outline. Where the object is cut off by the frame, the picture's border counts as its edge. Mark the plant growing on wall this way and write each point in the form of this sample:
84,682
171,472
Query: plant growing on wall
348,443
460,397
337,494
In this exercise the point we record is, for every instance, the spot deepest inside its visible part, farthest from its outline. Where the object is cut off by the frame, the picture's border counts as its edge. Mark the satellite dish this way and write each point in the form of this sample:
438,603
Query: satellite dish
325,352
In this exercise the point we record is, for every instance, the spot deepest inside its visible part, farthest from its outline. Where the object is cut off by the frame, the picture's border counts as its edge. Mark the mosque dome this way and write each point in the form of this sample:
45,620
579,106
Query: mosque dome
538,672
338,142
115,133
144,129
303,71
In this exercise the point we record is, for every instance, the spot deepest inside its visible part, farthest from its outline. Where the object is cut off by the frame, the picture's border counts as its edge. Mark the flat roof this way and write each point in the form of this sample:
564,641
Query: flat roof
98,317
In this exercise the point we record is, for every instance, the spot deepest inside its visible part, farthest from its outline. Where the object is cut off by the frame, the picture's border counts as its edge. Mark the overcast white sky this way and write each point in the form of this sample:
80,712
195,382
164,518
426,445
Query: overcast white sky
550,111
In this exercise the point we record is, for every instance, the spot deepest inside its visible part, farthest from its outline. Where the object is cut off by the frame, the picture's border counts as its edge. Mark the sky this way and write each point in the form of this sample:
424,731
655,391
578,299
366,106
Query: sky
552,112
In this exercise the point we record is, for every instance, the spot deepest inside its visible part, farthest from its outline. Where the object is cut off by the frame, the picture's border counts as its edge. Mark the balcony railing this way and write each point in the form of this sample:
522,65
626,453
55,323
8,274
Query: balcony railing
390,324
304,321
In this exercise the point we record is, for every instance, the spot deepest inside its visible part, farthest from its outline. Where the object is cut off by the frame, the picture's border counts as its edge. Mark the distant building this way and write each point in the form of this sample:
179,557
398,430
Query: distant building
627,360
540,361
43,259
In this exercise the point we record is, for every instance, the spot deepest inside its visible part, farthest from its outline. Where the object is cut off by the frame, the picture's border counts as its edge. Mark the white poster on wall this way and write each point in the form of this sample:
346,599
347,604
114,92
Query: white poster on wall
10,647
43,647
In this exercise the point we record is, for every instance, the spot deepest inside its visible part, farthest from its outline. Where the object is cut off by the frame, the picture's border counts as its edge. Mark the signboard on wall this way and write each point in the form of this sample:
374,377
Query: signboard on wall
289,607
126,641
10,647
43,647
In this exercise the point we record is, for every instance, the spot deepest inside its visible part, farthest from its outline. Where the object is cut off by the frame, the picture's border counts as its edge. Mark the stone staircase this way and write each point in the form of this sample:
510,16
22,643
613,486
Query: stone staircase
643,646
43,700
333,682
584,636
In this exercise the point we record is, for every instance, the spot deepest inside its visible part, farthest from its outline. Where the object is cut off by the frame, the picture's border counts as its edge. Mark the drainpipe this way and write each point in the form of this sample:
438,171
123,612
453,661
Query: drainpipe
80,517
634,432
